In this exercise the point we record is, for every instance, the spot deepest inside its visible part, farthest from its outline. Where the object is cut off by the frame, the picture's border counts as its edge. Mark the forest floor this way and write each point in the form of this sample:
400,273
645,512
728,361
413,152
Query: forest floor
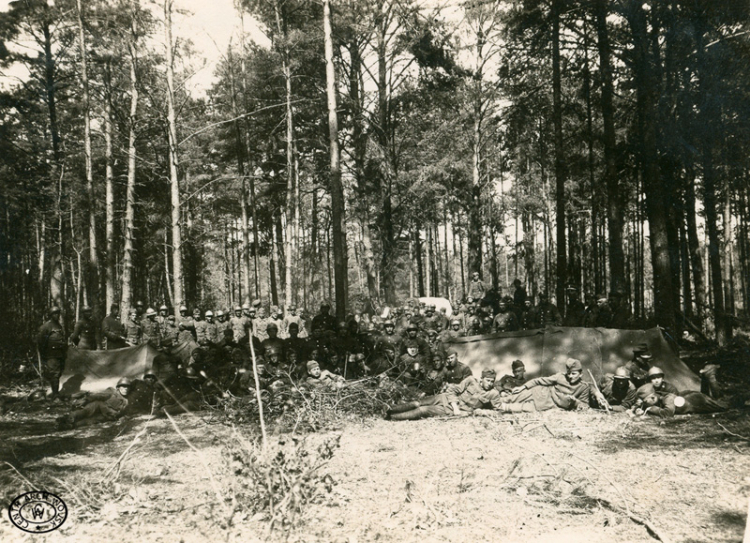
551,477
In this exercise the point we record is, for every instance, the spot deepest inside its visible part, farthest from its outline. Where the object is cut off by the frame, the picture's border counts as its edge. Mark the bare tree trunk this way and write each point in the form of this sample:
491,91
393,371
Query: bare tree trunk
129,234
240,143
111,279
93,258
174,163
428,258
420,267
560,166
337,189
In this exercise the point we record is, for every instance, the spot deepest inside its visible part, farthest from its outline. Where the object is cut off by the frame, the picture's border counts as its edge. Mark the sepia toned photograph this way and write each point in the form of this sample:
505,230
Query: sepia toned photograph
350,271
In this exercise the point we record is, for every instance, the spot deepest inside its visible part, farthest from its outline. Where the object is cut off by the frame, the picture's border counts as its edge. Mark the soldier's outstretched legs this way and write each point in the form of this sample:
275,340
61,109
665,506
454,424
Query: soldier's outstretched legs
525,407
422,412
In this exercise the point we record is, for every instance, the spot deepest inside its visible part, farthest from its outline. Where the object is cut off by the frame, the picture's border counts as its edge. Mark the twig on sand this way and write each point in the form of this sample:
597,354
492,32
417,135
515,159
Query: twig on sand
653,530
214,485
11,466
118,462
732,433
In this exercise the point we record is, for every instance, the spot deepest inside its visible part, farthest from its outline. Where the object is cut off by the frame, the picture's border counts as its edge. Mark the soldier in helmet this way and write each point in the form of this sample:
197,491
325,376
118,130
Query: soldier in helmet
113,332
186,324
323,320
161,318
388,338
191,325
272,341
292,317
240,324
639,365
85,332
133,330
454,331
151,329
296,344
52,348
617,393
98,407
141,394
140,309
222,322
412,339
260,324
275,317
662,387
206,331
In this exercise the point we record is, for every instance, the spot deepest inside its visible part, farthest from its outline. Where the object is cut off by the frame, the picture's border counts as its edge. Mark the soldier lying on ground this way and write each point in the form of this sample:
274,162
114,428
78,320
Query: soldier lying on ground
616,392
508,382
563,390
98,407
458,400
650,402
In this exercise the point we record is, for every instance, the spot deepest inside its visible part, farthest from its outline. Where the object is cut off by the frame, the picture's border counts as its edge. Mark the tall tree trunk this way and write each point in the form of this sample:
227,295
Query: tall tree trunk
420,267
560,166
129,234
707,115
109,184
337,189
93,258
615,205
174,181
657,195
240,143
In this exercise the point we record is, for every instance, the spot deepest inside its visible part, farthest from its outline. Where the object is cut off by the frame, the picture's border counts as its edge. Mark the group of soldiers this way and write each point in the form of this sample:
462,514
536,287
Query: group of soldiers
411,344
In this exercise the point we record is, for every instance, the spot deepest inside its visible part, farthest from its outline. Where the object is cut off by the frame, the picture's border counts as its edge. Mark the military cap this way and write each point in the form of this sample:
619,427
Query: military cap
517,364
488,373
573,364
645,391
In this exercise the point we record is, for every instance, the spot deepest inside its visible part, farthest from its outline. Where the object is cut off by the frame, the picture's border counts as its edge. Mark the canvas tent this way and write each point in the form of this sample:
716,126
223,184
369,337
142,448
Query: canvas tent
439,303
97,370
545,351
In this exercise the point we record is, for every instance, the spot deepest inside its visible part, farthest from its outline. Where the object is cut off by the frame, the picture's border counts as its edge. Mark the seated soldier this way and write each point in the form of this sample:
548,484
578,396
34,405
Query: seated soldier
563,390
411,366
458,400
382,363
434,379
505,320
455,371
454,332
322,378
508,382
650,402
191,392
412,339
98,407
617,392
273,342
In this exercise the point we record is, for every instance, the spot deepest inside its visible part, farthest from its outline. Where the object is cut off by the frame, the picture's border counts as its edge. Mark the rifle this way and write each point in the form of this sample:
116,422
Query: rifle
600,397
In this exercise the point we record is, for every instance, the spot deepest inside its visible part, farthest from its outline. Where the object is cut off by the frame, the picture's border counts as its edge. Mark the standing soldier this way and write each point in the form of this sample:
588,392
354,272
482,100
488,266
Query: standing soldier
52,350
113,332
240,324
276,319
170,332
476,288
222,323
185,324
575,309
151,329
519,297
590,312
85,332
290,317
206,331
527,315
139,309
161,318
546,313
260,324
133,331
604,312
505,320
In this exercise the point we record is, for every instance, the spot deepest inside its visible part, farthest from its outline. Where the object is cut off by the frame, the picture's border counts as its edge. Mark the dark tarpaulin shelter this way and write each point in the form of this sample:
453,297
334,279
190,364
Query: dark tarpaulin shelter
545,351
97,370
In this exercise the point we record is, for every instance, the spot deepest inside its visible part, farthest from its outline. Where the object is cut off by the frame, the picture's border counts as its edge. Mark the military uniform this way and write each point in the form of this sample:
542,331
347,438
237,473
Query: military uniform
186,325
206,333
546,314
52,349
619,396
457,373
170,333
133,332
113,333
84,335
545,393
240,326
151,332
505,321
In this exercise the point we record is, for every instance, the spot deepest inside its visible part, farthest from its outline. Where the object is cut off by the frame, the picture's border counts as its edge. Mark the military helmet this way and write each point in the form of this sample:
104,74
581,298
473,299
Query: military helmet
411,327
238,308
431,332
86,309
271,326
209,313
183,308
150,311
655,371
149,375
622,373
389,323
124,382
191,373
245,306
219,313
163,308
54,310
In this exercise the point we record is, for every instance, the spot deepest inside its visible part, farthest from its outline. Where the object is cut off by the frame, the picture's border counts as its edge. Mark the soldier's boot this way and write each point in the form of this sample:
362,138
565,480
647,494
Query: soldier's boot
413,414
403,407
54,382
709,384
525,407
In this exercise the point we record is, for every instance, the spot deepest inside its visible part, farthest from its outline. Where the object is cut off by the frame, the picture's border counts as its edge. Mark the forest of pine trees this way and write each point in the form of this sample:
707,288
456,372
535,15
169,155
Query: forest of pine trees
377,150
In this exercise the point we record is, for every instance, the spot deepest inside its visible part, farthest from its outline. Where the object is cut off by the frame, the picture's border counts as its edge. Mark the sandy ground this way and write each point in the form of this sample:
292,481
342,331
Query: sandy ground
554,477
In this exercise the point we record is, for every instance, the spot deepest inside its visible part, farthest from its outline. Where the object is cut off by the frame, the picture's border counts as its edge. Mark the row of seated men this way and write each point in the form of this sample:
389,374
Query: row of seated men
448,387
